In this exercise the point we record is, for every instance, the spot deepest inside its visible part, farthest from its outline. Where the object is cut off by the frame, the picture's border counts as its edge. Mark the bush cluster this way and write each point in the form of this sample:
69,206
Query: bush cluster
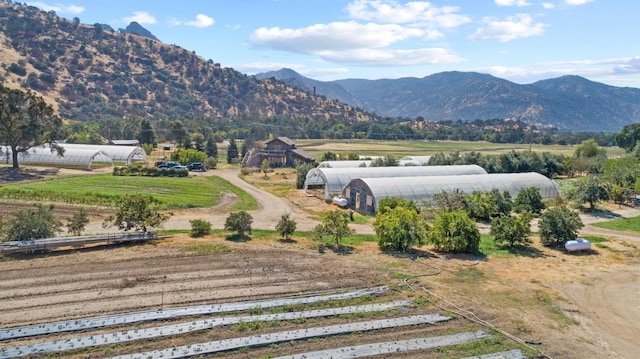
149,171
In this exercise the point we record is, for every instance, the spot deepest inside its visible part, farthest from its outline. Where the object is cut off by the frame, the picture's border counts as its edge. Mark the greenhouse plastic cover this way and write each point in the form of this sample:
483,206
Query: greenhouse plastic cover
77,155
336,178
423,188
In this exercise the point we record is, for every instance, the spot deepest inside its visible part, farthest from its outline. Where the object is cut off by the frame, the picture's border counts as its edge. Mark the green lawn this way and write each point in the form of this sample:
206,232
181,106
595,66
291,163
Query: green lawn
403,148
624,224
106,190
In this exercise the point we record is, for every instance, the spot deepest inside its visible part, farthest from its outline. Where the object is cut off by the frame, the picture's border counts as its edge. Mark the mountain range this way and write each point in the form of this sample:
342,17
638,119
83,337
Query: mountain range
567,102
91,72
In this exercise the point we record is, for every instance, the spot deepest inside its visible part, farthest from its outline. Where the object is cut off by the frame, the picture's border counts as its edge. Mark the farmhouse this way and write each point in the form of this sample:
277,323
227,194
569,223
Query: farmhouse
279,152
364,194
334,179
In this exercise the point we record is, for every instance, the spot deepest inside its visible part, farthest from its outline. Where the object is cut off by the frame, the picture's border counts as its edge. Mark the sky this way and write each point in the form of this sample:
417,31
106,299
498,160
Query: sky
522,41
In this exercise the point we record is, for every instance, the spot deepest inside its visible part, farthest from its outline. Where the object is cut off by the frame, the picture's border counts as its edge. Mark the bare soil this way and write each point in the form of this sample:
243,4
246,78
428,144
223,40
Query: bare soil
574,305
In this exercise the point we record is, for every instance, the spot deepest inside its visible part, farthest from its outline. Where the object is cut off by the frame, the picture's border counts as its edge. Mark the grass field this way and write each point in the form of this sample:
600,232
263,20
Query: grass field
624,224
426,148
105,189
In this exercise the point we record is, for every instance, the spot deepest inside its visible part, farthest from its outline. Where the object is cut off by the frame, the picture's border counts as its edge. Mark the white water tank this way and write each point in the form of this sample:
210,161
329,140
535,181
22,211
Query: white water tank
578,244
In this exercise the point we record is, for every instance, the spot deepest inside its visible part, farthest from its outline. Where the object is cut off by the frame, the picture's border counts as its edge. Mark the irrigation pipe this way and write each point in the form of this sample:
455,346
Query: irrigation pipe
469,315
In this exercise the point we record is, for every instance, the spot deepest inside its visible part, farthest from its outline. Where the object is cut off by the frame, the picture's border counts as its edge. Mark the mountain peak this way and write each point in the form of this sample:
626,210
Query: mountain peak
137,29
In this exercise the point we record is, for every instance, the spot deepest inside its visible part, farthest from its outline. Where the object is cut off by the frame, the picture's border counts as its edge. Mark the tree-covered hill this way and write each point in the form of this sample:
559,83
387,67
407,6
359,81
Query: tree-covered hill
89,72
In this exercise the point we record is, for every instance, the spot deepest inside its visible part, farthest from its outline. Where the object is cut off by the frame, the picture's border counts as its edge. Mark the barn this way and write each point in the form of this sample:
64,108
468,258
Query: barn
334,179
363,194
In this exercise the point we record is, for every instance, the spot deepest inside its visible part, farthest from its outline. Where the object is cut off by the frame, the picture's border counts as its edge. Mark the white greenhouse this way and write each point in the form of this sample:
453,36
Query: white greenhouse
344,164
334,179
76,155
364,194
414,160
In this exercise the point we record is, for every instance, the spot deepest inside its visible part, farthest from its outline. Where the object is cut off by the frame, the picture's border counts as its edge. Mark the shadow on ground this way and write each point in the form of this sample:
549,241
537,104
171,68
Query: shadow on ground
9,174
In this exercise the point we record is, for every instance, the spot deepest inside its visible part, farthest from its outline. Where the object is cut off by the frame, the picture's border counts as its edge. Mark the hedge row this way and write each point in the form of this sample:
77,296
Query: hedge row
149,171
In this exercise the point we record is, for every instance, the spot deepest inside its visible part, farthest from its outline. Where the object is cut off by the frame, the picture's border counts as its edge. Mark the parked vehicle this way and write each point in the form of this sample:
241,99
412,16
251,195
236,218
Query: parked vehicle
197,166
174,165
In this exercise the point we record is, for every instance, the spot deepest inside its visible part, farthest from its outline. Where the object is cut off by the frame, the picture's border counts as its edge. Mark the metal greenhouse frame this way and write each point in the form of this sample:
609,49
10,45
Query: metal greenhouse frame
122,154
364,194
335,179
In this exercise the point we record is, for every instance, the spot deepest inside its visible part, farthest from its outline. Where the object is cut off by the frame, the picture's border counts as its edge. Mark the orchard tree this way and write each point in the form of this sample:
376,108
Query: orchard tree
239,222
286,226
186,156
511,230
200,228
592,190
400,228
137,212
455,232
335,225
389,203
529,200
629,137
33,224
26,122
558,225
77,222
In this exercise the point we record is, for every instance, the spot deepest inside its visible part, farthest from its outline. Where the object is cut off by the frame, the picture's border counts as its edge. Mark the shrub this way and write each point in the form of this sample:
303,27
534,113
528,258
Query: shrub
200,228
559,225
400,228
529,200
455,232
286,226
511,230
239,222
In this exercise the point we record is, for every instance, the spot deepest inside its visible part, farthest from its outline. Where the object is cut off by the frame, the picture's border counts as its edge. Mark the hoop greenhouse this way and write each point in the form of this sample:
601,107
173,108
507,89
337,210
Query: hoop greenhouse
364,194
334,179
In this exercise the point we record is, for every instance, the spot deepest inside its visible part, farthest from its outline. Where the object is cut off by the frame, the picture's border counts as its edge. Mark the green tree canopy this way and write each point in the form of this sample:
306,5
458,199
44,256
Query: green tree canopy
511,230
400,228
26,121
33,224
286,226
529,200
591,190
389,203
232,151
147,135
137,212
455,232
186,156
629,137
239,222
335,225
558,225
77,222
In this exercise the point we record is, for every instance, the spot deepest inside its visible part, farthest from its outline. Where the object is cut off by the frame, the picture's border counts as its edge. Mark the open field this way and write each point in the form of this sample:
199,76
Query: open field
427,148
567,305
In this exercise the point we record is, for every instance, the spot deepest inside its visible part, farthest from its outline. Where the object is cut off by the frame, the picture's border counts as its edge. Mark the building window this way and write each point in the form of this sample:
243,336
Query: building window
369,200
347,192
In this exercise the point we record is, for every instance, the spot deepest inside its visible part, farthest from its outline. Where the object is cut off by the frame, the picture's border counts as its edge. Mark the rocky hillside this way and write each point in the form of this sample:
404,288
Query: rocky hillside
569,102
92,72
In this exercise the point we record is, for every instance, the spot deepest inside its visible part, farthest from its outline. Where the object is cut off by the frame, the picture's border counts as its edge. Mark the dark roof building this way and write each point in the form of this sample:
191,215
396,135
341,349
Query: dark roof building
279,152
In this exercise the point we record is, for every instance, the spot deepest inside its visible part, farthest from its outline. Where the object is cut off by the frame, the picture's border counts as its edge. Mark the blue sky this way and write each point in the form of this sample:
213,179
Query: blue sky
519,40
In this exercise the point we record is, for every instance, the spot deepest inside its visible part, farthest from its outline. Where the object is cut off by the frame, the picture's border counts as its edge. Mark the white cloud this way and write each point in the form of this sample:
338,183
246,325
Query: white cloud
617,71
59,9
390,11
512,3
548,5
336,36
322,72
513,27
257,67
201,21
577,2
381,57
141,17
